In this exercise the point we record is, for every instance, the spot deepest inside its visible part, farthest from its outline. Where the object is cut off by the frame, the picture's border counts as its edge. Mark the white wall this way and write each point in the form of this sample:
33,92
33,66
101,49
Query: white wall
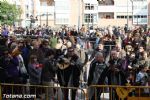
62,11
108,8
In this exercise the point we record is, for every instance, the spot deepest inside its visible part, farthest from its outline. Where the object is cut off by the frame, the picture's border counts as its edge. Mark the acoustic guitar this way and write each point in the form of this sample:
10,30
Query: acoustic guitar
65,64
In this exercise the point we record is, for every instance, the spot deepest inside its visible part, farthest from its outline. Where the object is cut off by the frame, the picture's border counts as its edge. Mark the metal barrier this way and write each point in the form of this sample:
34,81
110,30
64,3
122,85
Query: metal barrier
115,92
94,92
20,91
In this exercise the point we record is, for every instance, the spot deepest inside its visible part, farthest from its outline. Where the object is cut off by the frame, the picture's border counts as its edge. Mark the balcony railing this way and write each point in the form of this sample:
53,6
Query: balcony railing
109,8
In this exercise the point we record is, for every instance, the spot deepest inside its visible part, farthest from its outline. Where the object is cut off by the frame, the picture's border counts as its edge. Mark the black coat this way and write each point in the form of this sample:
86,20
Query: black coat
109,73
73,71
92,71
49,70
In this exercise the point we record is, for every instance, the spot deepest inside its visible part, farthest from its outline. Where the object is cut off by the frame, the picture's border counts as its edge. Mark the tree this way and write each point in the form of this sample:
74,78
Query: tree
8,13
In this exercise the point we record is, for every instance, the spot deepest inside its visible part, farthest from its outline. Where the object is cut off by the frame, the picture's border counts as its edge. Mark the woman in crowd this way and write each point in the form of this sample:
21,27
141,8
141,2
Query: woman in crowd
35,69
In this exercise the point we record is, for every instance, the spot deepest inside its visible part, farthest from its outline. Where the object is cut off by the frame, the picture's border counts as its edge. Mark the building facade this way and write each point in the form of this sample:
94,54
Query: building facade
102,12
116,12
89,12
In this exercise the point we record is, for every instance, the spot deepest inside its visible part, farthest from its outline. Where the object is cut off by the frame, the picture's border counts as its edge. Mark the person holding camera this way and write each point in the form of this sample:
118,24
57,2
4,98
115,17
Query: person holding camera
114,74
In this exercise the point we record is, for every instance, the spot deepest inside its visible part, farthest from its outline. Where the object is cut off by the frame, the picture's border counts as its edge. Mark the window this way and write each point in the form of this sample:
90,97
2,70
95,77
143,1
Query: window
92,7
144,7
140,16
145,16
107,16
130,17
118,17
87,18
122,17
90,18
135,16
89,6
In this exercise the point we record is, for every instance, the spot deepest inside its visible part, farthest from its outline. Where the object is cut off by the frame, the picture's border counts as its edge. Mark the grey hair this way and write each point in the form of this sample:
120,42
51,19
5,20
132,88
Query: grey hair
99,54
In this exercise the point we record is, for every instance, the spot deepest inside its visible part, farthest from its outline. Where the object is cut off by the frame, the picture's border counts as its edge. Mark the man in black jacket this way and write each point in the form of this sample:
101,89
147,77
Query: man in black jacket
69,70
114,74
96,69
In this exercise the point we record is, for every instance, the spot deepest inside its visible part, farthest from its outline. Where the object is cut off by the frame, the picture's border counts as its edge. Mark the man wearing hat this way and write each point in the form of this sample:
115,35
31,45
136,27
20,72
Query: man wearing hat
69,69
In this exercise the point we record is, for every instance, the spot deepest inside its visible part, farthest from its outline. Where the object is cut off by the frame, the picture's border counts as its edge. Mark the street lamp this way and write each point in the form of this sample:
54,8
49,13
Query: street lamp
32,20
47,19
92,20
47,14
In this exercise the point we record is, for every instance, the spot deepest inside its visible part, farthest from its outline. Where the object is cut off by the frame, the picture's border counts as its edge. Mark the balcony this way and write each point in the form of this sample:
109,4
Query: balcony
47,2
106,8
105,2
106,15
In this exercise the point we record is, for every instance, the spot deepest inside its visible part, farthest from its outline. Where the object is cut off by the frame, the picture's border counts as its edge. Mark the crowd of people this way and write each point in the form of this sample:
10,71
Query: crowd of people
117,56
